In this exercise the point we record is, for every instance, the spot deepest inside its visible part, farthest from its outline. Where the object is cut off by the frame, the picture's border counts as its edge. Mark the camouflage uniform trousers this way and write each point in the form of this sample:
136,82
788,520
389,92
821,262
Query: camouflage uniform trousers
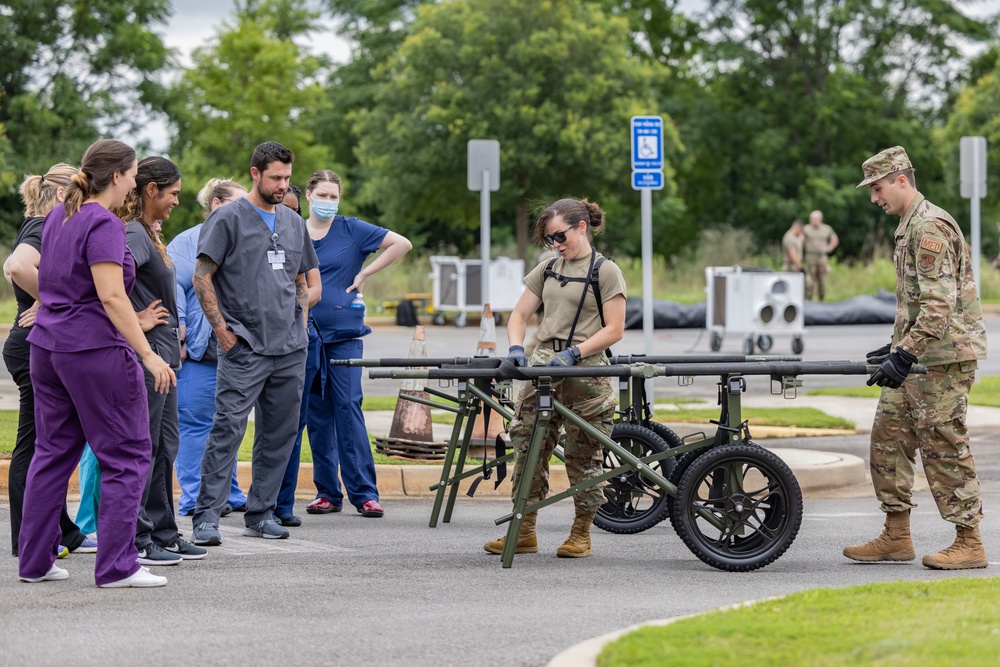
927,413
816,270
593,399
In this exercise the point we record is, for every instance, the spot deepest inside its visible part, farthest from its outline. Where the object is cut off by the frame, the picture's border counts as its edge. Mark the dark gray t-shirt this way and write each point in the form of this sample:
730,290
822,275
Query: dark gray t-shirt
257,300
154,279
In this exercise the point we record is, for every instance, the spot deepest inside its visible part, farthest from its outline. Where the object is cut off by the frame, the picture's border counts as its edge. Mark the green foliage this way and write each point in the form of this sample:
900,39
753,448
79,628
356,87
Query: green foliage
70,72
986,392
791,97
252,84
860,626
561,89
800,417
974,114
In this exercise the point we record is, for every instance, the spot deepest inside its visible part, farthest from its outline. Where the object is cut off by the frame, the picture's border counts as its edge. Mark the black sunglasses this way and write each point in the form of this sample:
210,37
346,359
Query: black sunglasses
560,237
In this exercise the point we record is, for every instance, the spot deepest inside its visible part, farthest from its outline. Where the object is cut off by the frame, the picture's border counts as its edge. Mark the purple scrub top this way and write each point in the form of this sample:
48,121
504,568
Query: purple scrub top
72,317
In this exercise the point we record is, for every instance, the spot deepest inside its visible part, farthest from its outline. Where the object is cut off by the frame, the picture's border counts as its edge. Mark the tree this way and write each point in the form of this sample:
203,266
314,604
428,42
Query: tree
974,114
254,83
552,81
792,96
70,72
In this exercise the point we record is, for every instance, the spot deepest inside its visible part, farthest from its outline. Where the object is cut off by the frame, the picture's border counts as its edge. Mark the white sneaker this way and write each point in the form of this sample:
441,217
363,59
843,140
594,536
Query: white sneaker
143,578
55,573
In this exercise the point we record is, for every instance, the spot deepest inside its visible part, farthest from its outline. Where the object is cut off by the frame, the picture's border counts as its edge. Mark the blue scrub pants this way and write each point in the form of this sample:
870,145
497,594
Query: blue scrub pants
315,368
90,492
195,411
337,432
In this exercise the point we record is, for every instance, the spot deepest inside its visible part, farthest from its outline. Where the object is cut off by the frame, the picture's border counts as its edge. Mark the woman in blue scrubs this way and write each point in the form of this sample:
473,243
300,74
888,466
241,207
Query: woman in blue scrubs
337,431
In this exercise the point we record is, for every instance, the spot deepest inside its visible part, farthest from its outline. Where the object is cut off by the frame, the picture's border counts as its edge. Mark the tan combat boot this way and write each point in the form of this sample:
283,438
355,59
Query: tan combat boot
966,553
527,541
577,545
894,544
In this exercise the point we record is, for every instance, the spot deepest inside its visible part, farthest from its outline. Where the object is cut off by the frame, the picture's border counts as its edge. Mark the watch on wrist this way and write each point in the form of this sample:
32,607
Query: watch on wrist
576,352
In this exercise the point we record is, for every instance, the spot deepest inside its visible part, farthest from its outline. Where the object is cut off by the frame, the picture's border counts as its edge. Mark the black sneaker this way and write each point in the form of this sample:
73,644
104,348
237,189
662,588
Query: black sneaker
268,529
186,550
154,555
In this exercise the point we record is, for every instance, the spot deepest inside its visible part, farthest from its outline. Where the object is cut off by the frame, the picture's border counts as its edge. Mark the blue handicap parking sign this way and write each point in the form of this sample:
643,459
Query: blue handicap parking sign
647,143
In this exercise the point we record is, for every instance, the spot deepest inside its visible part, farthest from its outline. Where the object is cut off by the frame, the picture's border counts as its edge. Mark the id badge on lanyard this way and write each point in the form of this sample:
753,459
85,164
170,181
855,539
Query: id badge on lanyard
275,257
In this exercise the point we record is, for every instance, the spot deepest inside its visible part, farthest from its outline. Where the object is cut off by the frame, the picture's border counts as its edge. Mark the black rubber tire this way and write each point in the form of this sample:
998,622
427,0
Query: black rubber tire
764,343
438,319
680,467
498,318
715,341
797,345
634,503
748,344
768,514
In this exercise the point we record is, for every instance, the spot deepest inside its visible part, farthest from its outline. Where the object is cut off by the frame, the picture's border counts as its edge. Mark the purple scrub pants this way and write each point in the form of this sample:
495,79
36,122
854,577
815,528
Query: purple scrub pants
97,396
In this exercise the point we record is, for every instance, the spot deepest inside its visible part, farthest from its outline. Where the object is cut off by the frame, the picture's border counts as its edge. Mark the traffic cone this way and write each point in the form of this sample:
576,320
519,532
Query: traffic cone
484,436
411,435
487,334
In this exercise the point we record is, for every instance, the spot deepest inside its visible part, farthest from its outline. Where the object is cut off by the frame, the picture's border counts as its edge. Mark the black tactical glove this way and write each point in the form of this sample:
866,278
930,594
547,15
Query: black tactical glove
893,370
516,356
879,355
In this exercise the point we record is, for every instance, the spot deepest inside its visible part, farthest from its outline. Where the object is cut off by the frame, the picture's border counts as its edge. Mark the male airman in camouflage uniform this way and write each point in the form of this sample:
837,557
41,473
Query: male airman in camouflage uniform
938,323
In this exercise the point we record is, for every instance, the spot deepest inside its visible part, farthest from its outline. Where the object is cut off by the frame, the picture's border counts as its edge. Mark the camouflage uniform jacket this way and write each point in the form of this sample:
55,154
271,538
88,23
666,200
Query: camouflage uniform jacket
938,316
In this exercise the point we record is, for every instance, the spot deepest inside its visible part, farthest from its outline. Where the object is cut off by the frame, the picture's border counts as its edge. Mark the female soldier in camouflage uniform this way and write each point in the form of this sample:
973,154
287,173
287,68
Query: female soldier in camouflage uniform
580,321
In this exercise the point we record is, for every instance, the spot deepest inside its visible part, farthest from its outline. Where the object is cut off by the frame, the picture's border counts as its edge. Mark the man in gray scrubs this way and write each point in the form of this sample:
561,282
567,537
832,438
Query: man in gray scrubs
253,255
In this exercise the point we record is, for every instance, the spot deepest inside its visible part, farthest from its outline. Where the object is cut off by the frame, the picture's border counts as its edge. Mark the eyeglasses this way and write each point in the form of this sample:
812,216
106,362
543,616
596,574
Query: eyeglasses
560,237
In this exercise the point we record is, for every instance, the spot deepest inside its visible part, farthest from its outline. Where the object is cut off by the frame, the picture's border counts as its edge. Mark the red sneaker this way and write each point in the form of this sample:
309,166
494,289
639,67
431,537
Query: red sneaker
322,506
371,508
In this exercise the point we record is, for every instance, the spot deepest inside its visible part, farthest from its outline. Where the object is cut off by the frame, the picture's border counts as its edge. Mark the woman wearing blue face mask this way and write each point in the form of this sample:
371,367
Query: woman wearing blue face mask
337,432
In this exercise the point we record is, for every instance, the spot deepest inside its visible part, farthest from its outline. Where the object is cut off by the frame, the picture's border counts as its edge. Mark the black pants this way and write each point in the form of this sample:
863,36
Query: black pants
20,459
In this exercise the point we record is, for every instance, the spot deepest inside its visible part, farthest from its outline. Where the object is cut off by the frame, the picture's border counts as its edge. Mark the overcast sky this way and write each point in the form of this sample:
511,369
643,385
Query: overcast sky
195,22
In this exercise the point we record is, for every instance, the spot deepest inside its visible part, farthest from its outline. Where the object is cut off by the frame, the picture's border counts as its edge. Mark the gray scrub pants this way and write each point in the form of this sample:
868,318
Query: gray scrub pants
274,384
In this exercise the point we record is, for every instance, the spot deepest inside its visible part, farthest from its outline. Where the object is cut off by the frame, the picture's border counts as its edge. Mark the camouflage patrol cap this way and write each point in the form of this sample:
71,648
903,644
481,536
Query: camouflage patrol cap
881,165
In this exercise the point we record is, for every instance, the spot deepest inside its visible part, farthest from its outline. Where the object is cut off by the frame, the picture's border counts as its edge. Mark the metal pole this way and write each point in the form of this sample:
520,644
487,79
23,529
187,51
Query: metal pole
647,278
484,236
976,231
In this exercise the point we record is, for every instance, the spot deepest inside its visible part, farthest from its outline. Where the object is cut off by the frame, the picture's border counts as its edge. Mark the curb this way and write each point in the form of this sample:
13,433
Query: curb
815,471
585,653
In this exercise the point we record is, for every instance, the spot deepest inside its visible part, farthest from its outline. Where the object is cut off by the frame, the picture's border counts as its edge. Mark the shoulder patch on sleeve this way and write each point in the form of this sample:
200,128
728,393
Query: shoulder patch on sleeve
932,244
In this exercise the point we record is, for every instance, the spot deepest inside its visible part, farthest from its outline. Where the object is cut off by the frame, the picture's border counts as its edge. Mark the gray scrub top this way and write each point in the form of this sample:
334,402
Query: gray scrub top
257,300
154,279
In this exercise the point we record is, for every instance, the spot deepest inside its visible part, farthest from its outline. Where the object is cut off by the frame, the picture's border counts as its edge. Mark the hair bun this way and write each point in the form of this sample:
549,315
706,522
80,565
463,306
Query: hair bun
81,180
596,214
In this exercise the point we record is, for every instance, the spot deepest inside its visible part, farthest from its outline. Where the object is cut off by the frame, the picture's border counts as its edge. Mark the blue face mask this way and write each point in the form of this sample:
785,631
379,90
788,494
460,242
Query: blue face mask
323,209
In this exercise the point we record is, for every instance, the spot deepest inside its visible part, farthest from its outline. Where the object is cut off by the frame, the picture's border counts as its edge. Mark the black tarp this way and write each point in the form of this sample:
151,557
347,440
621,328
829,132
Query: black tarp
879,308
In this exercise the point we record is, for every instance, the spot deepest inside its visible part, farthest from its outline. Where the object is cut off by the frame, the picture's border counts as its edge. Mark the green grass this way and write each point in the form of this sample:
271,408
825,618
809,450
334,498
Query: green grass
918,624
801,417
985,392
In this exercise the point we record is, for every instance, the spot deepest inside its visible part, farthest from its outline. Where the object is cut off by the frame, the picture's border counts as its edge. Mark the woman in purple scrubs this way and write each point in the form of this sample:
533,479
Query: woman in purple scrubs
87,379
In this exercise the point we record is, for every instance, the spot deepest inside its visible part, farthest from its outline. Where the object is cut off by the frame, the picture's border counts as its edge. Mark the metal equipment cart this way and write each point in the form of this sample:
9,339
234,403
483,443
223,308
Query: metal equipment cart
458,287
757,303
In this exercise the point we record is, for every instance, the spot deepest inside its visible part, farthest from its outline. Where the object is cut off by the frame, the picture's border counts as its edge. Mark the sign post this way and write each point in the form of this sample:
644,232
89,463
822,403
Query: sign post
647,175
972,173
484,176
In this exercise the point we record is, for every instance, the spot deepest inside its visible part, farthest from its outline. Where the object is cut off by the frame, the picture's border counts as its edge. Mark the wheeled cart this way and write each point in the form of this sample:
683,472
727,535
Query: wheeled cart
755,303
458,287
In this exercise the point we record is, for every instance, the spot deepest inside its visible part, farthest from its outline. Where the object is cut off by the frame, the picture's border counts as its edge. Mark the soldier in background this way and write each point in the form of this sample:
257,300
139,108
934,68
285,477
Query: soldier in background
819,241
791,248
940,324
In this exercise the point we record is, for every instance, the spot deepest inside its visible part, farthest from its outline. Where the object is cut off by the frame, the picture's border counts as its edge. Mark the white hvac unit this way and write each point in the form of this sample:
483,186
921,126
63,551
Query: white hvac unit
458,286
755,303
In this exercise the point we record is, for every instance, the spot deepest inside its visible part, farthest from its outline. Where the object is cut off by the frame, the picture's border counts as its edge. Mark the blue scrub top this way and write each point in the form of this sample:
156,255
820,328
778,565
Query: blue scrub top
342,253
